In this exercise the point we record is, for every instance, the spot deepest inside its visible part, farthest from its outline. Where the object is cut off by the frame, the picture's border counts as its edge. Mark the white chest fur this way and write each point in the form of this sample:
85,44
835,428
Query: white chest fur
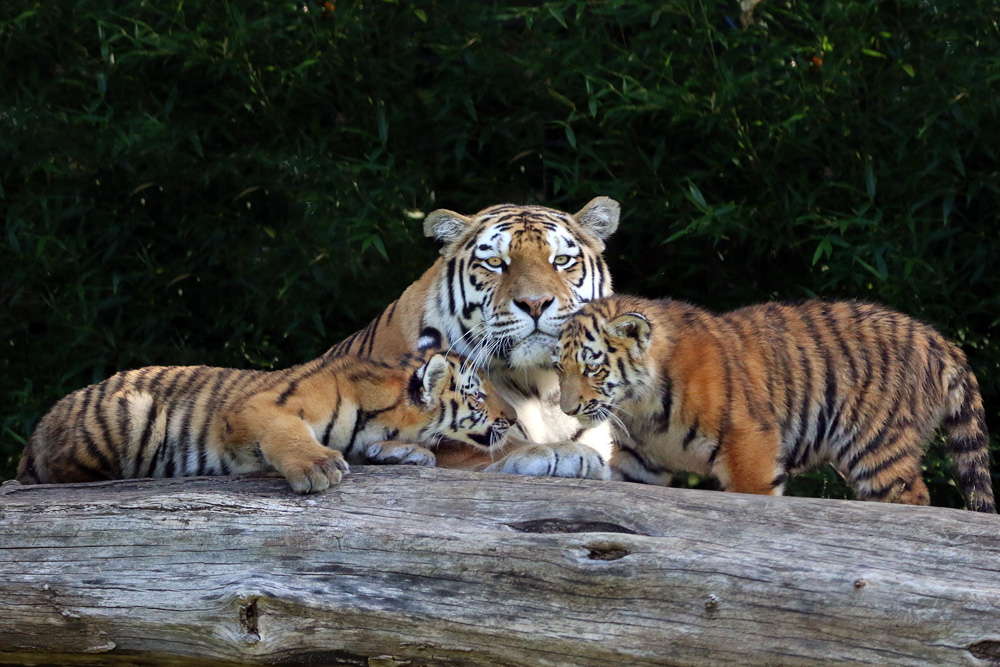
540,418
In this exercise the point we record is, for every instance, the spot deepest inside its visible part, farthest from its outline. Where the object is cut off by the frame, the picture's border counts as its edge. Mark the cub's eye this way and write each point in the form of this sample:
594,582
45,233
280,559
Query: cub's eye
558,367
592,368
562,260
494,262
480,396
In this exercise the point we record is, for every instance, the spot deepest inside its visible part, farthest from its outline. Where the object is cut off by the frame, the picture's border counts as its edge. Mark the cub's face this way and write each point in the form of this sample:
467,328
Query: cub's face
513,274
604,363
457,404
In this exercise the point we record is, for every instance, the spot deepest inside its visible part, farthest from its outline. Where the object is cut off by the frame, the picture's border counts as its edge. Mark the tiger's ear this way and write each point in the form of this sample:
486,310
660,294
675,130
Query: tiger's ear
433,376
446,226
631,327
599,218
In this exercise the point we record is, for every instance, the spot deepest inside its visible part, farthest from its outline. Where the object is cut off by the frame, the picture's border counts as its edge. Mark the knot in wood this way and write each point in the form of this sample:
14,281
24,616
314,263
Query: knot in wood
988,650
248,622
607,551
712,602
860,583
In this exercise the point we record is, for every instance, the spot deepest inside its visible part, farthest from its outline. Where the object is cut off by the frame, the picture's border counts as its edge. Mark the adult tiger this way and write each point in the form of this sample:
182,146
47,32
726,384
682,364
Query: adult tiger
508,277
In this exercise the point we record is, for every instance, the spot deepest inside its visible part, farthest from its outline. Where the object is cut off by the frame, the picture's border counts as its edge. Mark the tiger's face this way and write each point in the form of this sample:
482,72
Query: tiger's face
513,274
604,362
457,405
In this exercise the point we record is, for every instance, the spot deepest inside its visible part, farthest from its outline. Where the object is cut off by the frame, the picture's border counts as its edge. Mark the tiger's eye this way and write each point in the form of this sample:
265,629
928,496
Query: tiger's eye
495,262
561,260
593,368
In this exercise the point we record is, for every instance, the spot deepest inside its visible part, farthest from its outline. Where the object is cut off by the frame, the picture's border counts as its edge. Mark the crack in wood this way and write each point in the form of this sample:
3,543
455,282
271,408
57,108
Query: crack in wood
607,551
570,526
988,649
325,658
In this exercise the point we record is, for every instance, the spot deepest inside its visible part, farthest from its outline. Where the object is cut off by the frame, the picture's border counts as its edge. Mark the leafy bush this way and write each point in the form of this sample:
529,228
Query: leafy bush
241,185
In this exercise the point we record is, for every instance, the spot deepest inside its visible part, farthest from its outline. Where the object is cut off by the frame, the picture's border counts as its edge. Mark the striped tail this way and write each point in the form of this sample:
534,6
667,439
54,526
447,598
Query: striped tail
26,471
968,440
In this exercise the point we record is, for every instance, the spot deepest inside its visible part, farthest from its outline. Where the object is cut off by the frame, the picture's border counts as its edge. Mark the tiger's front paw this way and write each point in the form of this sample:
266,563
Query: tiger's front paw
564,459
322,470
392,452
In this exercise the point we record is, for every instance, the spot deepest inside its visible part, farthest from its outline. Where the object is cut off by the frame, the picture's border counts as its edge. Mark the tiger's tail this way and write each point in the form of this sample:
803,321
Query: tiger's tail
27,472
967,437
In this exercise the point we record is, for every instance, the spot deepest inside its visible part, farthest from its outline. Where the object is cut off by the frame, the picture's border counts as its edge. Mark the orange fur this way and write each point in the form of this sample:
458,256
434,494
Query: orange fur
508,276
304,422
754,394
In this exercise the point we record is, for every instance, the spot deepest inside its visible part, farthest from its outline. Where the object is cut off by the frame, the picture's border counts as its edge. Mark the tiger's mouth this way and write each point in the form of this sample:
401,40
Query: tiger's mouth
593,414
533,351
494,436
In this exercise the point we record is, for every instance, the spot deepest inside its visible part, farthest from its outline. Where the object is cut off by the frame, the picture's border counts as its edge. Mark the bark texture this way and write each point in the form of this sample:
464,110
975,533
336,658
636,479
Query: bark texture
402,565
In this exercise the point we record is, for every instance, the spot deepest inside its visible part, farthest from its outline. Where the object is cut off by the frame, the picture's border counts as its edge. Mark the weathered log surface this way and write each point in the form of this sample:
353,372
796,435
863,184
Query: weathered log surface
445,567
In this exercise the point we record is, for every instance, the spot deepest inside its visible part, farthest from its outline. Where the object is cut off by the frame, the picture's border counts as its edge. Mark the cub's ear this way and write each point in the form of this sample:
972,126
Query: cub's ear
446,226
599,218
631,327
433,378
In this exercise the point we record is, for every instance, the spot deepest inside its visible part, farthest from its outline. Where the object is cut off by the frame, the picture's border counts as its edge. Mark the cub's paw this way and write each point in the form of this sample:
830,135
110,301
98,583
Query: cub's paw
317,473
564,459
392,452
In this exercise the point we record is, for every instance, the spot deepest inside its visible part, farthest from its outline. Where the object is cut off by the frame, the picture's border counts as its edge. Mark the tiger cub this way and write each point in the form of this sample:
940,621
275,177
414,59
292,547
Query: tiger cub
303,421
752,395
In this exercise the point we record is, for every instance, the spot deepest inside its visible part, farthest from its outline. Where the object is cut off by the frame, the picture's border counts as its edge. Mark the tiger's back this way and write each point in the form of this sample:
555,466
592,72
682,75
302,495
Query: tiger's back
304,421
157,421
864,387
751,395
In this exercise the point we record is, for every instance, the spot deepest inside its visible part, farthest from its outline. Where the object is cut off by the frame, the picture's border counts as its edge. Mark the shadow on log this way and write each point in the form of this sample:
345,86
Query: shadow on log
402,565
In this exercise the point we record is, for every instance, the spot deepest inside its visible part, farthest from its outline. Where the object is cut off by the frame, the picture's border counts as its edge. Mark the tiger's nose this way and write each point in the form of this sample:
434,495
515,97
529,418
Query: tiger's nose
570,406
534,307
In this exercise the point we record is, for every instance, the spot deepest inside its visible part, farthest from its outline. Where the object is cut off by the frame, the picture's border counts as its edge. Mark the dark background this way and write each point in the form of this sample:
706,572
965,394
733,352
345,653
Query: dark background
241,184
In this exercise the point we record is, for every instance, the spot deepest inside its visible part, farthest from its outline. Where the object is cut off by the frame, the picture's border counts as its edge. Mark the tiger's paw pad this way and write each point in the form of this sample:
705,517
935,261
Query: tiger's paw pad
569,459
318,474
388,452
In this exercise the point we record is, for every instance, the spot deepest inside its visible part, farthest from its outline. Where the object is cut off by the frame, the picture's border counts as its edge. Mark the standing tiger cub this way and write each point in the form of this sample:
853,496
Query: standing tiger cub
303,421
752,395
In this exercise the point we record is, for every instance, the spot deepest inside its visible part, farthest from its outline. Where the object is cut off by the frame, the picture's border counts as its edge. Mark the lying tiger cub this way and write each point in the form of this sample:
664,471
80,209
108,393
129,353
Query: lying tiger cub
752,395
303,421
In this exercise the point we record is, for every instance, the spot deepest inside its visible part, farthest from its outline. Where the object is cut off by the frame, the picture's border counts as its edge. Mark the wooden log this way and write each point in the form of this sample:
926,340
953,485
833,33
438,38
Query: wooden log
402,565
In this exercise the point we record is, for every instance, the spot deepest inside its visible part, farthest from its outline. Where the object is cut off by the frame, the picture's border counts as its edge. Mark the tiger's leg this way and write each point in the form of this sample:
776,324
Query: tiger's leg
287,444
748,460
885,467
393,452
913,492
629,465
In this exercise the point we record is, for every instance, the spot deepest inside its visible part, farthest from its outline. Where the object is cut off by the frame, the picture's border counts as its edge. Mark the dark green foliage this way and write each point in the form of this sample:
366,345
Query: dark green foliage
237,183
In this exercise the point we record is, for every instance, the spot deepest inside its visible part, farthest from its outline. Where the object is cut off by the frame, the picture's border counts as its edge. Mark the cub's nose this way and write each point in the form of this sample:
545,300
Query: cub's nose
572,411
534,307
